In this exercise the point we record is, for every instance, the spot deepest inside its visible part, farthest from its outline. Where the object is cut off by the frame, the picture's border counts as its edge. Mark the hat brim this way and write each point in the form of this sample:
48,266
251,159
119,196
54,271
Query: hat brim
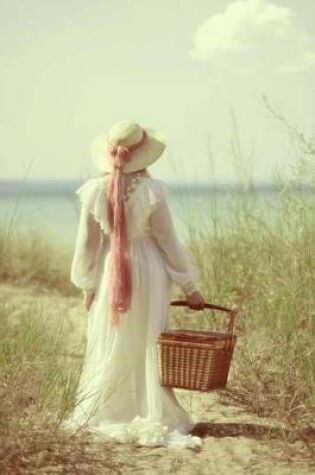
146,155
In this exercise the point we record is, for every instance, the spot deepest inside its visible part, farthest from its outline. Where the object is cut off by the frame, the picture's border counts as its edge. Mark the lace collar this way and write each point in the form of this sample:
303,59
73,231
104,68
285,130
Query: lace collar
132,180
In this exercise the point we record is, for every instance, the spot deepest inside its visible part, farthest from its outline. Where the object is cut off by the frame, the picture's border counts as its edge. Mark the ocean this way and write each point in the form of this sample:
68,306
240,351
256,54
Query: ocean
53,208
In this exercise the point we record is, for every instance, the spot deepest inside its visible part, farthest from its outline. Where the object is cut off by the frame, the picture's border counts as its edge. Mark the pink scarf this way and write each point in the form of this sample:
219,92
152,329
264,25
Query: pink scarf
120,281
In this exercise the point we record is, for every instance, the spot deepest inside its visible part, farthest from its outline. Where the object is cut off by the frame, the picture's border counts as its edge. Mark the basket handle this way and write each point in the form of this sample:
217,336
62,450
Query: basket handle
231,314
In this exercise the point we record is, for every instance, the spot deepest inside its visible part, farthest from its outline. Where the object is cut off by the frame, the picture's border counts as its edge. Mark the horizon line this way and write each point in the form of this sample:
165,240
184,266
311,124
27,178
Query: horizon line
56,185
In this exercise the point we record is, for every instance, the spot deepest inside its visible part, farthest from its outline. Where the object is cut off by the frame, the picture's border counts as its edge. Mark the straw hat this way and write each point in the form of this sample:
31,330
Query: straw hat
128,133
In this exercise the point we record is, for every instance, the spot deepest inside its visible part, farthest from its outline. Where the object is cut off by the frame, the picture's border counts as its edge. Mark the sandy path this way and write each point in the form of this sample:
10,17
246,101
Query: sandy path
234,440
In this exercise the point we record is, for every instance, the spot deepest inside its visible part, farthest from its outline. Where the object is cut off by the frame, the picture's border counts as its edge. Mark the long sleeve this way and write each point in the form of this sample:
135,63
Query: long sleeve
87,254
177,260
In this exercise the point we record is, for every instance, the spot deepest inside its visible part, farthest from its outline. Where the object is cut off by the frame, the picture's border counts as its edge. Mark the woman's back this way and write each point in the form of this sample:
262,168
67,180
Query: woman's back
141,195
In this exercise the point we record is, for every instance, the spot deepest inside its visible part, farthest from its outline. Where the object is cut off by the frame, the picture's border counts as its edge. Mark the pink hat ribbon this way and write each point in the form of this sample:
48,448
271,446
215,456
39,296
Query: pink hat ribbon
121,154
120,281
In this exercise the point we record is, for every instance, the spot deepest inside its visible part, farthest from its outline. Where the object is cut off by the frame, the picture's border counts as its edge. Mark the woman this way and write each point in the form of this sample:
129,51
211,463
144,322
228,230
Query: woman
126,258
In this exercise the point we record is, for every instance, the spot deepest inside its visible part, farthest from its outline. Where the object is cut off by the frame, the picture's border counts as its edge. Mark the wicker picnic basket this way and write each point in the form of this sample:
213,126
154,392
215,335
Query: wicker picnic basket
196,360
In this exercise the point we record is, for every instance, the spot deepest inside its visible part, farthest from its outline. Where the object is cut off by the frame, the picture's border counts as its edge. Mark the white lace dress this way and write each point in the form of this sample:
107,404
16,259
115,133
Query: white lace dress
119,395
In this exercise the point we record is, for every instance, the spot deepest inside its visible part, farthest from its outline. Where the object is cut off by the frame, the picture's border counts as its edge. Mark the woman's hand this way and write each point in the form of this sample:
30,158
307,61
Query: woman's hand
88,297
195,300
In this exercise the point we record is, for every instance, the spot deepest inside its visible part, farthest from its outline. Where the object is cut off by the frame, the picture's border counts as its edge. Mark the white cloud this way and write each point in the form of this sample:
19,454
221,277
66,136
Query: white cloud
254,34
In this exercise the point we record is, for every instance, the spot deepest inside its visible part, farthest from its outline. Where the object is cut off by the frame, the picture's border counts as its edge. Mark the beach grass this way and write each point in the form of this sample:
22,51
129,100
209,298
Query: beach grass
39,376
261,261
30,361
31,259
37,388
268,275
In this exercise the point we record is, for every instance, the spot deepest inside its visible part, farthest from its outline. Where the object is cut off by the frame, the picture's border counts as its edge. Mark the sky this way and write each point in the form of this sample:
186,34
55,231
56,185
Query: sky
194,69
